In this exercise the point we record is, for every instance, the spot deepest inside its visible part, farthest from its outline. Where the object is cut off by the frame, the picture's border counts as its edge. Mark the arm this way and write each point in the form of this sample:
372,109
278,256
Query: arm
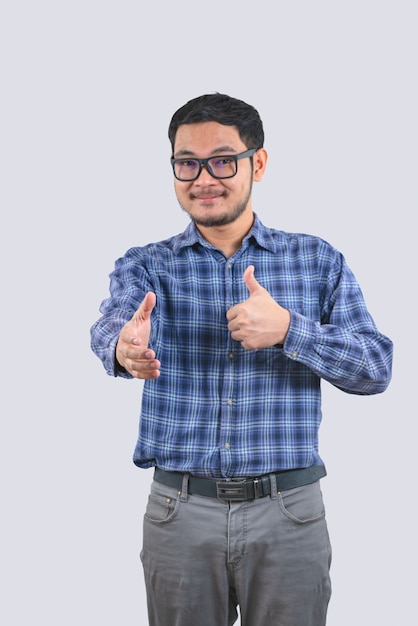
121,336
346,349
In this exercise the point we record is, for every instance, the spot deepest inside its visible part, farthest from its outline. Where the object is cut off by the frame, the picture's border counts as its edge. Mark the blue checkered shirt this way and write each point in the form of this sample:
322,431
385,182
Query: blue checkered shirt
217,409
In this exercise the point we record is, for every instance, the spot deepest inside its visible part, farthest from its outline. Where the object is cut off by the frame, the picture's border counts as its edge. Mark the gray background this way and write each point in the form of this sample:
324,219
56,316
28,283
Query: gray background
88,89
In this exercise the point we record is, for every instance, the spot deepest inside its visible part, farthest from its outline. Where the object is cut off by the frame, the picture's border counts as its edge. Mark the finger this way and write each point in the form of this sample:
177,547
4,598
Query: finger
144,310
136,354
145,369
145,374
145,364
231,314
252,285
127,337
233,325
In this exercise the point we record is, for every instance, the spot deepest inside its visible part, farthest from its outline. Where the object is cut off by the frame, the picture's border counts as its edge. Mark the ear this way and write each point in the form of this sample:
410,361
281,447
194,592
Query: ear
259,164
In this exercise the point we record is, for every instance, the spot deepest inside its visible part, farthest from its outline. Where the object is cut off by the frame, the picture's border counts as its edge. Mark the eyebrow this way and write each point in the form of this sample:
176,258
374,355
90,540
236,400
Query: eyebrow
221,149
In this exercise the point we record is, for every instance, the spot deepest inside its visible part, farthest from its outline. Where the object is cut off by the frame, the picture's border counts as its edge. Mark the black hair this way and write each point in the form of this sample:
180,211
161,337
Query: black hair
218,107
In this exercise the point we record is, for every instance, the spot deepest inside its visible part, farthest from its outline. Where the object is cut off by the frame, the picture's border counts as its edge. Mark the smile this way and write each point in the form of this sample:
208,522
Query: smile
207,196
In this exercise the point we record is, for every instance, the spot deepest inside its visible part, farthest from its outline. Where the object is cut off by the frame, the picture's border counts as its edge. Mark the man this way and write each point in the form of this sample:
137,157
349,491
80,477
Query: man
232,326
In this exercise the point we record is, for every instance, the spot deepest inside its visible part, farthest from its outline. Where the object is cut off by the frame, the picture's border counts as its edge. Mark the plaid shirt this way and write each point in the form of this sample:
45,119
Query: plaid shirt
218,410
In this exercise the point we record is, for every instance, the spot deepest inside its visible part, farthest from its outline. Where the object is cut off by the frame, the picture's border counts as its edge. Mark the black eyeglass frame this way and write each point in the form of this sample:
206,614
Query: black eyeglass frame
205,162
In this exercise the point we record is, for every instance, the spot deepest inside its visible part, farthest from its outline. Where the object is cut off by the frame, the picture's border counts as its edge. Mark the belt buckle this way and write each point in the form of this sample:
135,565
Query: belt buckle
231,490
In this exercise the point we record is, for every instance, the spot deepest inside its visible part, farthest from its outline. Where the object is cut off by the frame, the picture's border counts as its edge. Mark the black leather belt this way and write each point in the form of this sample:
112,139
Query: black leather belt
246,489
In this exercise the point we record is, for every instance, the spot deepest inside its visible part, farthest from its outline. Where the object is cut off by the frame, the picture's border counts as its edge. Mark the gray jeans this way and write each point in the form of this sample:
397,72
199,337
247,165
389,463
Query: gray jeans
203,557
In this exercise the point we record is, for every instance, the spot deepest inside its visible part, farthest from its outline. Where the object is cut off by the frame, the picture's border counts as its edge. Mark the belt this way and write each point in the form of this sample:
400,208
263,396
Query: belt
246,489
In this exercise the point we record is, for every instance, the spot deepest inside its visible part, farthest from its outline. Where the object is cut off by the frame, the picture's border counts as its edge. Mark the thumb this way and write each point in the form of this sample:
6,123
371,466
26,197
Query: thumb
251,281
143,313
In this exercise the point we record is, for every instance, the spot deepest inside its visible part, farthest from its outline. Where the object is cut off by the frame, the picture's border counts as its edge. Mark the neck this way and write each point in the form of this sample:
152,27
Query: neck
228,238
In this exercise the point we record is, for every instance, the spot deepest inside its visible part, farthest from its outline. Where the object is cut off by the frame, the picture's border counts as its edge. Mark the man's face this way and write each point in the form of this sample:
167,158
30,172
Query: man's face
210,201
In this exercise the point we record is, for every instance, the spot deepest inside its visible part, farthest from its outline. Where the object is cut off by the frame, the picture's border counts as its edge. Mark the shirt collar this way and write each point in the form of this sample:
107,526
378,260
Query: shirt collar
260,233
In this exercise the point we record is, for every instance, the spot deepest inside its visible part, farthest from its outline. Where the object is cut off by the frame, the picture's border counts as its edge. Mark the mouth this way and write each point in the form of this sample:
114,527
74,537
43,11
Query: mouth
207,197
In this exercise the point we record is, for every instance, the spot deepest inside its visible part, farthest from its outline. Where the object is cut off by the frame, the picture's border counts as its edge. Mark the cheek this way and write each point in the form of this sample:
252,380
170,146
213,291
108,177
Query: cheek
181,190
245,187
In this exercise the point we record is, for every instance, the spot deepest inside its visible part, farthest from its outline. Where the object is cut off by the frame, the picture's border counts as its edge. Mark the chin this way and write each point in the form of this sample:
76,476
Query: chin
221,220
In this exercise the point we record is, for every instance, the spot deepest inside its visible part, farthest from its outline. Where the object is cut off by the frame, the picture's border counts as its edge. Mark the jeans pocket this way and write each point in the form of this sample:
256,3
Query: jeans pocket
302,504
163,504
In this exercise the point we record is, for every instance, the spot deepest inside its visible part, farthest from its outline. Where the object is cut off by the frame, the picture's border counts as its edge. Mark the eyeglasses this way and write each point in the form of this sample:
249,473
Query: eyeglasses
225,166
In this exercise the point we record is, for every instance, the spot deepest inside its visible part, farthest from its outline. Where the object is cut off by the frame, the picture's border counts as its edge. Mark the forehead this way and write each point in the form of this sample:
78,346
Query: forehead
206,138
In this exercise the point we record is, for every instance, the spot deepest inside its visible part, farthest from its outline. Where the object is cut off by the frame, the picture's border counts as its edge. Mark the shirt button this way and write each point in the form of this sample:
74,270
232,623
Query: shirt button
227,446
293,354
229,402
230,355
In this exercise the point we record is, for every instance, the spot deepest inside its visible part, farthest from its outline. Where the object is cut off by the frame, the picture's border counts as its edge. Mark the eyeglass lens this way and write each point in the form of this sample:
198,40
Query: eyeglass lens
219,167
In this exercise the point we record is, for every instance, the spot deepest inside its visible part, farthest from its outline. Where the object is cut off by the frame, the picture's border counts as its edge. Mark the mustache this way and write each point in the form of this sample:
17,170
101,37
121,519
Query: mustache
207,193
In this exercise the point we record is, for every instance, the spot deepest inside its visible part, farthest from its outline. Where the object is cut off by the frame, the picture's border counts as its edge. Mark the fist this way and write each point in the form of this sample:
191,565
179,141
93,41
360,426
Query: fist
258,322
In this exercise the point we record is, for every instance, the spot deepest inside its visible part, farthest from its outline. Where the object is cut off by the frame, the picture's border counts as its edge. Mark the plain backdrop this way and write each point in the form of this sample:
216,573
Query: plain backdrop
87,91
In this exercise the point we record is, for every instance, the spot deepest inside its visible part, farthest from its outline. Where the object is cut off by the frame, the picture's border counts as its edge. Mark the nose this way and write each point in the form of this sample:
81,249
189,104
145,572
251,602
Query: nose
205,177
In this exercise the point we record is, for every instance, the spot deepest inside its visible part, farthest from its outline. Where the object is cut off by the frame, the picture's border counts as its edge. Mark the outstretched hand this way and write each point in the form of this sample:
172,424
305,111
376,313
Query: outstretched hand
258,322
132,350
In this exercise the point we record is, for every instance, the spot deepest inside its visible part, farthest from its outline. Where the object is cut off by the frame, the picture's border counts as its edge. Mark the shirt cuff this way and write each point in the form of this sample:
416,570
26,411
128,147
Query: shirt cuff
300,337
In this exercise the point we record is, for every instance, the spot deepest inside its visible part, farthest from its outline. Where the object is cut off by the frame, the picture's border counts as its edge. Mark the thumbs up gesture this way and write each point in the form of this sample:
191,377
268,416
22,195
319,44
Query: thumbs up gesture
259,321
132,350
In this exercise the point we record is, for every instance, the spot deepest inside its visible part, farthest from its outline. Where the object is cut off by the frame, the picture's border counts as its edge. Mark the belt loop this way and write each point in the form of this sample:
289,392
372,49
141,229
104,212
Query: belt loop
273,487
184,488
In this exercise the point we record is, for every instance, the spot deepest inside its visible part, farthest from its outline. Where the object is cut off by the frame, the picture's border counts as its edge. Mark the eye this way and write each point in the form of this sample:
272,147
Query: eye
222,161
187,163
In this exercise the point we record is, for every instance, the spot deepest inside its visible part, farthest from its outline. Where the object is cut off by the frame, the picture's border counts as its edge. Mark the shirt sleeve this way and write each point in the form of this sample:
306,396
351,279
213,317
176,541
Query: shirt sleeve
129,282
345,348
